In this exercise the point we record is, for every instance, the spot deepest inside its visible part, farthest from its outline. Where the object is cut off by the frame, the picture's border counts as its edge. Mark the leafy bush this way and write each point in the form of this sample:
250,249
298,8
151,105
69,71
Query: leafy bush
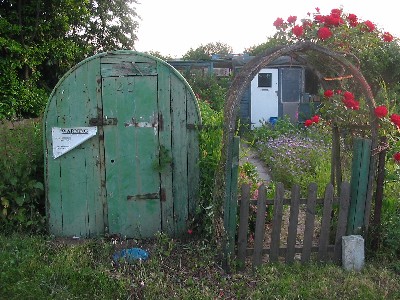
21,177
210,89
267,130
296,159
210,154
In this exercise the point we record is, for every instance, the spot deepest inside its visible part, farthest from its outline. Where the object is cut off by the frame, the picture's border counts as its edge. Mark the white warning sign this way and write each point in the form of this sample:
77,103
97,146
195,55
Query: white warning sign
66,139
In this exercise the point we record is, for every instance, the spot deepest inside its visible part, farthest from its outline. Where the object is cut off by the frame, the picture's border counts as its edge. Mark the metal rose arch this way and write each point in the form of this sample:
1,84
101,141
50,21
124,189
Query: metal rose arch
232,104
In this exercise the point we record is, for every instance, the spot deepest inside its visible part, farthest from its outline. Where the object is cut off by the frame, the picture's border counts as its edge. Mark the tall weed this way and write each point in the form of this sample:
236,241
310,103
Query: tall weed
21,177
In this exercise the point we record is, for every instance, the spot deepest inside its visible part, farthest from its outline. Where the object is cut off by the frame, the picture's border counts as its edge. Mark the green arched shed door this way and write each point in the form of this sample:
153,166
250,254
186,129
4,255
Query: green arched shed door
121,148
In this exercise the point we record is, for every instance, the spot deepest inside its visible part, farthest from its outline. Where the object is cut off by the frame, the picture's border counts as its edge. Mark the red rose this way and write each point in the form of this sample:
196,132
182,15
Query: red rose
308,123
297,30
315,119
370,25
278,22
381,111
333,20
292,19
352,104
336,12
324,33
395,119
387,37
396,157
319,19
353,20
328,93
348,96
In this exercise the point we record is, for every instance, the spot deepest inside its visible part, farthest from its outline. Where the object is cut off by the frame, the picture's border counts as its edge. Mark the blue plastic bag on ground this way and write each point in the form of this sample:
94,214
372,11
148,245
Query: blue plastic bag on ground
130,254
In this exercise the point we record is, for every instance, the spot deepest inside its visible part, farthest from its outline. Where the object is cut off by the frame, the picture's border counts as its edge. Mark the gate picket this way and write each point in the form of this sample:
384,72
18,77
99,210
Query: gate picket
260,226
325,223
274,250
277,223
293,222
309,227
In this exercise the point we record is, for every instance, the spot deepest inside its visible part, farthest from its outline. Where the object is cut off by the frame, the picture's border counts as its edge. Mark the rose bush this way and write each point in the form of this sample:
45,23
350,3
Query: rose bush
342,32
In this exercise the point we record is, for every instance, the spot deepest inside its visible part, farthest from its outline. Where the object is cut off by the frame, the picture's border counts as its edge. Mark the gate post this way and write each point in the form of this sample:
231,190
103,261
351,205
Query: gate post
359,186
230,201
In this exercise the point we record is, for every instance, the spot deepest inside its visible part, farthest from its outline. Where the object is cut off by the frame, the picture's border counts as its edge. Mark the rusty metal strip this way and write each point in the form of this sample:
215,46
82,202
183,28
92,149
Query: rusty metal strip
143,196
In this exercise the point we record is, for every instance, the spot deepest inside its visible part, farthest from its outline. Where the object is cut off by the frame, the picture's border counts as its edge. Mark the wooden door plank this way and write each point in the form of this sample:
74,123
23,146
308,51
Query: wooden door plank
165,140
179,154
277,223
325,224
95,190
309,225
293,222
52,170
193,118
74,177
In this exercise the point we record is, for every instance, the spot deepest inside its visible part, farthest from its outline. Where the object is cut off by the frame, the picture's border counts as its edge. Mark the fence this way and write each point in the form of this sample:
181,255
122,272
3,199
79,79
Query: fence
331,222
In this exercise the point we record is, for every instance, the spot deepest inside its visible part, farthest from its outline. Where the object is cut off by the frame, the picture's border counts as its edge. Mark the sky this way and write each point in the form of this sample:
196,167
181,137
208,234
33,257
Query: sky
173,27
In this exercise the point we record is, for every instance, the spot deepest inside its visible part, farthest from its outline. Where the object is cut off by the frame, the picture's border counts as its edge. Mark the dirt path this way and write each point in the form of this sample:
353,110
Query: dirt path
249,155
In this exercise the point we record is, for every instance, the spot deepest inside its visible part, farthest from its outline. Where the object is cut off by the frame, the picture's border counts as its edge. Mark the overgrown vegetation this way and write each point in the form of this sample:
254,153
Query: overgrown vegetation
21,177
44,268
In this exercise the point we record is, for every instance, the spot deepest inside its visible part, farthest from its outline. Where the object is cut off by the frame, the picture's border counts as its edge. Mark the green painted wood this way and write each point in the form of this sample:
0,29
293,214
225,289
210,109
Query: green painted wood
130,153
116,64
359,185
277,222
179,153
232,212
243,225
165,139
193,118
293,221
52,171
309,223
71,177
227,206
325,224
73,171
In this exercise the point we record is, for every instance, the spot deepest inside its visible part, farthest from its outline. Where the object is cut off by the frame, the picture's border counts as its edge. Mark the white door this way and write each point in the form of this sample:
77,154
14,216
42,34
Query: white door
264,96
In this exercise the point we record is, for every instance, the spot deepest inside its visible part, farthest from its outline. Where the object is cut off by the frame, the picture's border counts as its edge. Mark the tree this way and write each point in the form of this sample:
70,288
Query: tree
42,39
205,52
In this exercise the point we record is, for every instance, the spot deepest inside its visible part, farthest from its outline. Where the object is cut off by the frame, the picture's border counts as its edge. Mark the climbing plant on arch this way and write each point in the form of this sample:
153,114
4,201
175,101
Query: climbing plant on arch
301,50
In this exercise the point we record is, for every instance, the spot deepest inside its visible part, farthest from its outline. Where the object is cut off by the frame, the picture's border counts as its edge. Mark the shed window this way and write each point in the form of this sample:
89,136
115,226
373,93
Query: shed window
265,80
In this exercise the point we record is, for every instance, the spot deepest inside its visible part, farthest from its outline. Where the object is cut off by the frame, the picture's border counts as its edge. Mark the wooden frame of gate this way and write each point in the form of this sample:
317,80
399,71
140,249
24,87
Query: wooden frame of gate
224,192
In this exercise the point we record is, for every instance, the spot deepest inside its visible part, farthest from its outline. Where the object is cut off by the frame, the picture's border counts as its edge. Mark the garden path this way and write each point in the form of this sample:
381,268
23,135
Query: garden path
247,154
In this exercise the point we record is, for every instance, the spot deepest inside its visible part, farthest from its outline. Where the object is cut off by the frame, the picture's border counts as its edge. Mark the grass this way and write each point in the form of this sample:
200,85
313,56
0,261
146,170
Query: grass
39,267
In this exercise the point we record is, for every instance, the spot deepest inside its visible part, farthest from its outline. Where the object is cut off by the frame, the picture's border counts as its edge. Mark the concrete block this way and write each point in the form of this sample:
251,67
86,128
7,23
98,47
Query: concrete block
353,253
